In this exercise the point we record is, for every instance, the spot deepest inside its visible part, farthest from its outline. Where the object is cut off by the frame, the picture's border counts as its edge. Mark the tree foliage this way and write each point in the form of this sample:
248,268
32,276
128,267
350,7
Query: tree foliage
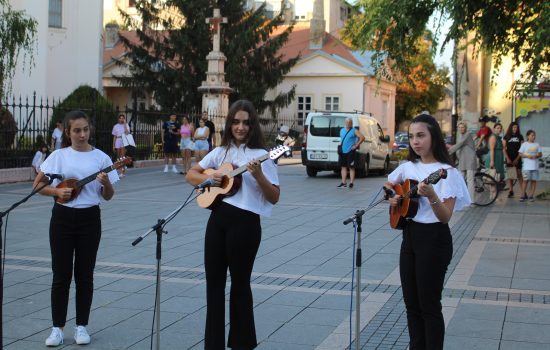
17,31
171,63
519,28
424,85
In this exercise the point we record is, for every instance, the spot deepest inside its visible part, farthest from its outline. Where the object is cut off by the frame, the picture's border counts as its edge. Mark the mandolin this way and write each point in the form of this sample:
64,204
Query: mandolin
77,185
408,205
231,181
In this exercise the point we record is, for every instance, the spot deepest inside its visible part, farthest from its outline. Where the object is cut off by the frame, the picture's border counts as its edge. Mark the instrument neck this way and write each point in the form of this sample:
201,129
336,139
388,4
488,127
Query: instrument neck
243,168
92,177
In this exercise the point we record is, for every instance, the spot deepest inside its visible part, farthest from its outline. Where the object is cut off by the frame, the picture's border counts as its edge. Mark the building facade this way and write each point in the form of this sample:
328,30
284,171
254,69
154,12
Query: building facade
69,48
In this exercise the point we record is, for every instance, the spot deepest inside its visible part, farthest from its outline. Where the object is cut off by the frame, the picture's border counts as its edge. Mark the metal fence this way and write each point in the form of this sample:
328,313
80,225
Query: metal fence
27,123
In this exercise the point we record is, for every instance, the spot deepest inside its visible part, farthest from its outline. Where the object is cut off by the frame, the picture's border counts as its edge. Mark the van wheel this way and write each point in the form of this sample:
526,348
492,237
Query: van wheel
364,172
311,172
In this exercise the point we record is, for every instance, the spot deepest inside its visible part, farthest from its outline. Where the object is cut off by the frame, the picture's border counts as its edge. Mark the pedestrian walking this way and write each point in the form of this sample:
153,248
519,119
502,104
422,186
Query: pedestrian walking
350,140
530,153
427,245
511,142
75,226
466,154
233,232
169,136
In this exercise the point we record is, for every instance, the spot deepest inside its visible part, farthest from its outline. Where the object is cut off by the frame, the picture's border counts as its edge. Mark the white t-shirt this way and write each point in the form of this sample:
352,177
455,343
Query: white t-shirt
451,187
249,196
58,136
78,165
531,149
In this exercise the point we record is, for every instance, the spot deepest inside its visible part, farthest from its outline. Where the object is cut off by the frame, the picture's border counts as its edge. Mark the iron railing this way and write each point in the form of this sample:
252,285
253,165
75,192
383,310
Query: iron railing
26,123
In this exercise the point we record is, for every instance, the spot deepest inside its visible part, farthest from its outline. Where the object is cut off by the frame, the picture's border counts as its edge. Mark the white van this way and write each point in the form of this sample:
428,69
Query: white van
322,137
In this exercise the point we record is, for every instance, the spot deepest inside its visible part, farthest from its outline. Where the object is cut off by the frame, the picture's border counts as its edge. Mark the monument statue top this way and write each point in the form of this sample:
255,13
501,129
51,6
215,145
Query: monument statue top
215,21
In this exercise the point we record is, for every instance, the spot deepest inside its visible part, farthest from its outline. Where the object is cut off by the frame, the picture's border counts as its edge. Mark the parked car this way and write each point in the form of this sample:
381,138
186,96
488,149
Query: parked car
401,142
322,137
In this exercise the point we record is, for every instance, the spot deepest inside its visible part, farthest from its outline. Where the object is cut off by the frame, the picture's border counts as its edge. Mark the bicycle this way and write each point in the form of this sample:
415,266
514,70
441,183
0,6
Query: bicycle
486,187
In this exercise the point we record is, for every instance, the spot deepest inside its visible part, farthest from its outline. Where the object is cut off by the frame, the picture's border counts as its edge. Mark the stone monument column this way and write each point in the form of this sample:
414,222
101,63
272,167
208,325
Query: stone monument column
215,90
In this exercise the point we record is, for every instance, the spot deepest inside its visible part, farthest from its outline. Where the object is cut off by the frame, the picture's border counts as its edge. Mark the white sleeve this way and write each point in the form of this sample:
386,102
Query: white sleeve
396,176
211,159
270,172
36,159
454,186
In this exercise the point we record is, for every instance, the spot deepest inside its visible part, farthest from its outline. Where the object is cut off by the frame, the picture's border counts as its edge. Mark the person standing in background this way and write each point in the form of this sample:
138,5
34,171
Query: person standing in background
350,140
512,142
170,135
530,152
495,158
186,143
39,157
466,154
57,135
212,129
119,129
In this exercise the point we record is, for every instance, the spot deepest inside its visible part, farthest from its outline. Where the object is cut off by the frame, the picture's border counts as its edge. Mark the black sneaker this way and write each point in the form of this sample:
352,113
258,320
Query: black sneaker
531,199
351,185
523,198
342,185
510,194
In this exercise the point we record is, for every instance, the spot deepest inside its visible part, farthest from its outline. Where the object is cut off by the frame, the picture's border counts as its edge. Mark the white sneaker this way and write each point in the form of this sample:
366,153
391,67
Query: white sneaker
55,338
166,168
174,170
81,336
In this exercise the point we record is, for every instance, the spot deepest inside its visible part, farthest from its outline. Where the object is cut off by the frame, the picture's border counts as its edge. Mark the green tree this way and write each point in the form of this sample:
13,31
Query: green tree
171,63
520,28
424,85
17,31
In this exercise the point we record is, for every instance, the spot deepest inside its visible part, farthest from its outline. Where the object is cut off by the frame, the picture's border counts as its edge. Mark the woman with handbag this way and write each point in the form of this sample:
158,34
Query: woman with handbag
350,138
121,128
186,144
512,142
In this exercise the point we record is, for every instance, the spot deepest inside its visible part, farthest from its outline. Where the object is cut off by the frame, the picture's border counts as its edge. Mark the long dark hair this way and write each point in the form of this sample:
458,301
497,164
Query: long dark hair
70,116
510,133
439,149
255,137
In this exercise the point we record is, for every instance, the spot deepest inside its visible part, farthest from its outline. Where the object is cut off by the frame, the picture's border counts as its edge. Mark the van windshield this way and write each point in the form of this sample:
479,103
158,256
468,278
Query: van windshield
328,126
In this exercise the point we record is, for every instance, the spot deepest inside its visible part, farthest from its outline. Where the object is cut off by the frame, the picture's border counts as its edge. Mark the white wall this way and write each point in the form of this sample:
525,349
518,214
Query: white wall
66,57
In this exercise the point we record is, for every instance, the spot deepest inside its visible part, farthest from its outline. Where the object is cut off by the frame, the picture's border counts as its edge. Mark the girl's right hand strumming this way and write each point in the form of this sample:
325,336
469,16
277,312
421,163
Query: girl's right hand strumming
64,193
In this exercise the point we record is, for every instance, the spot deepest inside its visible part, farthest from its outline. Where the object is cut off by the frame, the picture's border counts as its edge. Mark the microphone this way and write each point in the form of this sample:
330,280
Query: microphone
389,192
60,177
206,183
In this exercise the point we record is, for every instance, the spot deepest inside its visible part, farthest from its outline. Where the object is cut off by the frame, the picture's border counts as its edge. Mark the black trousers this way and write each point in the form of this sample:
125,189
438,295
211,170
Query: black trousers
426,252
232,240
74,233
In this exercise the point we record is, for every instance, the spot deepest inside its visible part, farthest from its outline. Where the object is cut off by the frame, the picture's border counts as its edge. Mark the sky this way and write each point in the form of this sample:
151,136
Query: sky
445,57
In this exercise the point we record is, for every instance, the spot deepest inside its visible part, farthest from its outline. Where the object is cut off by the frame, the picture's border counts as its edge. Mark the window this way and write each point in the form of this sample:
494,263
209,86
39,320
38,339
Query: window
54,14
304,107
327,126
332,103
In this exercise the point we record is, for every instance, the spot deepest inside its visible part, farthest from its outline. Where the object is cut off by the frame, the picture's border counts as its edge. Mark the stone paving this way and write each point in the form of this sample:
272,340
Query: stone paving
497,292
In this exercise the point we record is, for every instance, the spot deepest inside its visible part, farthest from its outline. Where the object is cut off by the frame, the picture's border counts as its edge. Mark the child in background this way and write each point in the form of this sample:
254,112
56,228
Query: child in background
39,157
530,152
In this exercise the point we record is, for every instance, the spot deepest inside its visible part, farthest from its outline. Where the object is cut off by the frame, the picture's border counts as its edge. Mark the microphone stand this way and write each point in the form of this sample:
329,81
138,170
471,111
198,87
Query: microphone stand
357,219
2,252
159,229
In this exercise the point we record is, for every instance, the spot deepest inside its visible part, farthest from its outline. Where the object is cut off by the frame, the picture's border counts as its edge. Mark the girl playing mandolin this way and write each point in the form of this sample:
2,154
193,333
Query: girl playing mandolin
233,232
75,226
427,245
